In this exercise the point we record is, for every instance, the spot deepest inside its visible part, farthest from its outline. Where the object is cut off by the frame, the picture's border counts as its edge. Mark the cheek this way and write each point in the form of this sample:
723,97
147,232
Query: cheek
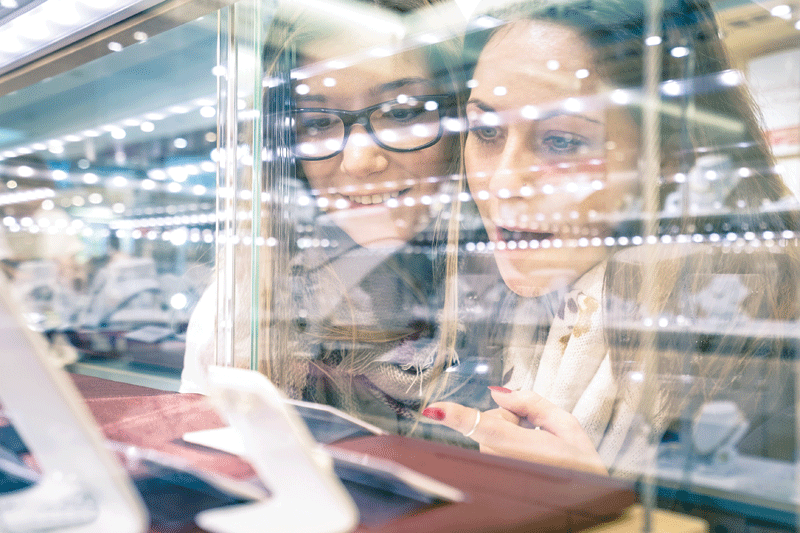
434,161
622,159
317,172
477,169
623,132
472,160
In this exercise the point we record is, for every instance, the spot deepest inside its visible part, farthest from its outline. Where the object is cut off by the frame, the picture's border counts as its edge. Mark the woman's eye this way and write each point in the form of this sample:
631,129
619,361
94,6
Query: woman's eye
564,143
484,133
316,123
404,113
484,126
311,124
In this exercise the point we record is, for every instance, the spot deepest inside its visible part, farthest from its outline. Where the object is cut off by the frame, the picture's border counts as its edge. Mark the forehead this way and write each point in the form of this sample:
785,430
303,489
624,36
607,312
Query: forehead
536,56
351,76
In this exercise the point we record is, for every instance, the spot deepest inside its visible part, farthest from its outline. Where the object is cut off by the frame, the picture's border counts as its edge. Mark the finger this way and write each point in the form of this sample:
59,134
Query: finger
496,433
452,415
462,418
491,451
465,419
505,414
527,405
494,428
539,412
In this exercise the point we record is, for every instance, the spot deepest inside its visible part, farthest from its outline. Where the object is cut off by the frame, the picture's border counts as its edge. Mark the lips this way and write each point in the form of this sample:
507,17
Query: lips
508,235
562,232
376,198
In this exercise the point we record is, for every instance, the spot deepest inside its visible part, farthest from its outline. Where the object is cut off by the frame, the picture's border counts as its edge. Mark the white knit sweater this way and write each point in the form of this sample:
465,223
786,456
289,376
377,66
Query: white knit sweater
573,370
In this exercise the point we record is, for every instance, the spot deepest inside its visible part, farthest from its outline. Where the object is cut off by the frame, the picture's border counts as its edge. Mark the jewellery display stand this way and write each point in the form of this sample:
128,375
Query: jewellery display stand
305,494
82,488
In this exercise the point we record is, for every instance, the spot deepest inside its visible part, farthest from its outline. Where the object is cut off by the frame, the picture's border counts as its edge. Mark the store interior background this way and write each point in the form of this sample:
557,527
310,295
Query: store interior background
109,172
126,145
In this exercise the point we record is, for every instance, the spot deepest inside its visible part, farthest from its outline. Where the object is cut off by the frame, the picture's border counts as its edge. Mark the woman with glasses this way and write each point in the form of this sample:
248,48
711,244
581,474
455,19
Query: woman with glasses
375,150
372,143
362,137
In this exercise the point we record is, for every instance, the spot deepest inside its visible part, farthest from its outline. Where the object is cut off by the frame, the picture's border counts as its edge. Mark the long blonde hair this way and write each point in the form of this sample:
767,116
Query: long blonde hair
655,280
284,182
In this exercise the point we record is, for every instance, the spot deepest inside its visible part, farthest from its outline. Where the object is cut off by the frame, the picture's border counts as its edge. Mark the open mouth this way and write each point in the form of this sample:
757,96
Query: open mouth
507,235
375,199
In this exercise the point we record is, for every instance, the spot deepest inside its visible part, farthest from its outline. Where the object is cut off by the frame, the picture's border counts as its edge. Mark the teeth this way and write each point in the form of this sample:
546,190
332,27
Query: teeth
372,199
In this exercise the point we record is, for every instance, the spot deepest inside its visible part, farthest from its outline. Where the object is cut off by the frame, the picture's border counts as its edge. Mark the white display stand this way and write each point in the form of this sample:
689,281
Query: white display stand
82,488
305,494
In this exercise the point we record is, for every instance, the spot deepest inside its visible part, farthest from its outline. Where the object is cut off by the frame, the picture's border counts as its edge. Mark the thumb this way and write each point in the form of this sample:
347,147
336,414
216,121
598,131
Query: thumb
539,412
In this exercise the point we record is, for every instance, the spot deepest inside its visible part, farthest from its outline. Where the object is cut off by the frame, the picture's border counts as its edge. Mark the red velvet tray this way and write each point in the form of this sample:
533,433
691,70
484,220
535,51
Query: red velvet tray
503,494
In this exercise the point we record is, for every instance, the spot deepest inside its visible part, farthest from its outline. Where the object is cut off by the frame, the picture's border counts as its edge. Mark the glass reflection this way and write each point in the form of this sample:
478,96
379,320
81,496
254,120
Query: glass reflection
116,172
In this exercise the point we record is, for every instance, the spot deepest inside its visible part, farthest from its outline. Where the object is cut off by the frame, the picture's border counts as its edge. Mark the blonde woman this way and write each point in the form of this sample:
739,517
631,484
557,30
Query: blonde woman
556,160
361,156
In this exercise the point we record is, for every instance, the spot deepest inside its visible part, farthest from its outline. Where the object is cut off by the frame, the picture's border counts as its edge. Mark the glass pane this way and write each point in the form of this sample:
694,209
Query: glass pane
617,239
109,178
733,444
561,232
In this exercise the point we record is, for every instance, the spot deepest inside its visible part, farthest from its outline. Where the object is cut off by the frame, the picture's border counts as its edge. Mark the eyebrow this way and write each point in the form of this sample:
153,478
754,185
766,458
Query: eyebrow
548,115
310,98
399,84
377,90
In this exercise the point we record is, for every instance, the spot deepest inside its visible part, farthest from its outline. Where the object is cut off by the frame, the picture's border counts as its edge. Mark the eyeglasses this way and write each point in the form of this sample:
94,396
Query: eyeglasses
405,124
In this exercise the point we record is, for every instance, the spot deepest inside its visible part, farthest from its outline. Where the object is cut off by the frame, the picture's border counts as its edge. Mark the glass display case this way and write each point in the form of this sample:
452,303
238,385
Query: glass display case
109,186
562,231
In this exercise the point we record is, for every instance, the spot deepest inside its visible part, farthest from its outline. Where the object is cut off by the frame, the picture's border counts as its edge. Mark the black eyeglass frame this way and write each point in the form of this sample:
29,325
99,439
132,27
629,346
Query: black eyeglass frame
445,103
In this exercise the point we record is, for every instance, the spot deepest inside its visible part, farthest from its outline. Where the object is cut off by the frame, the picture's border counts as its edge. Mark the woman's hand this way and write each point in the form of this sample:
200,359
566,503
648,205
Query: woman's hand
526,426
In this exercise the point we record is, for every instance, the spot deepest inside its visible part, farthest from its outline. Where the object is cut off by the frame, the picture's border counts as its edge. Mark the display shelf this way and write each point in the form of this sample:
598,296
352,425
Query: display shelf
131,373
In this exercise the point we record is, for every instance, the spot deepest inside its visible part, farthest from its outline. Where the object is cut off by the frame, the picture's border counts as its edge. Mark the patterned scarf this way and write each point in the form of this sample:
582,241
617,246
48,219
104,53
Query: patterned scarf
570,366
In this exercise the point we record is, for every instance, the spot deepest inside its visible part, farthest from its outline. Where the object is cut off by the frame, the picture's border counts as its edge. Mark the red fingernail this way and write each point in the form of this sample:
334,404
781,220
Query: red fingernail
500,389
434,413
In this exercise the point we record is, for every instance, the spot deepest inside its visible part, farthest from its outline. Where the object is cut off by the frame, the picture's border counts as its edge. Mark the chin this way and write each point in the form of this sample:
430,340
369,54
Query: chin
377,235
388,241
532,283
525,290
379,226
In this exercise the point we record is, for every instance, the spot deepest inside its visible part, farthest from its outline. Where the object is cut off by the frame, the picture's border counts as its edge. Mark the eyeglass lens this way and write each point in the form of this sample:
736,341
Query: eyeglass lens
403,126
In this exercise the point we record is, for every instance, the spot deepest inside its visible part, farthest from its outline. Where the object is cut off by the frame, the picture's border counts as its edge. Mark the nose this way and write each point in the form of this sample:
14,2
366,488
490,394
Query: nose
361,156
519,167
